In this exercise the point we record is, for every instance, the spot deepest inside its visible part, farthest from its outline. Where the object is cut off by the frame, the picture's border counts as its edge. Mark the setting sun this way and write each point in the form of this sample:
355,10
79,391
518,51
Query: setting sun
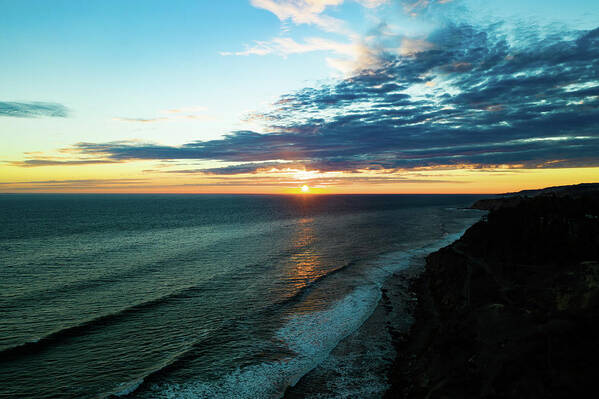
272,185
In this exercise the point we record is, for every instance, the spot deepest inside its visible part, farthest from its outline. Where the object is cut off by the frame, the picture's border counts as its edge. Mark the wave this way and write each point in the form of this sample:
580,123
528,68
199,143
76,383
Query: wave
161,263
129,387
392,262
359,369
126,389
305,289
311,337
91,283
56,337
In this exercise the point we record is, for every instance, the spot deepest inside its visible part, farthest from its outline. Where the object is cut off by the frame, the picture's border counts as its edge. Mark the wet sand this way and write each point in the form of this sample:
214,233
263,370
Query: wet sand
360,364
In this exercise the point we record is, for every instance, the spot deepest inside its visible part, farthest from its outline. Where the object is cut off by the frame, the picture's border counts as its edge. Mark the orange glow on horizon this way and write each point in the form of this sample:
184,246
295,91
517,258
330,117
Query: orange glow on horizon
140,178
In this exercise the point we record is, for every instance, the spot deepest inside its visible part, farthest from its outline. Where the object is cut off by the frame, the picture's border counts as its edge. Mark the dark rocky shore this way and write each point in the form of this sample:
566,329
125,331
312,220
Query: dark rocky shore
511,309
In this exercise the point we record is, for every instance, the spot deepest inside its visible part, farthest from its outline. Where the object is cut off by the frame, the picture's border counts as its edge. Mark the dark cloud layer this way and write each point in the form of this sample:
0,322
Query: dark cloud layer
30,163
68,184
33,109
472,96
235,169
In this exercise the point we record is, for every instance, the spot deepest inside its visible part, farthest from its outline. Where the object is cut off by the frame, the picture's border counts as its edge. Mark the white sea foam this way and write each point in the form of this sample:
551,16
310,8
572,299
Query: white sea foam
394,262
355,375
359,369
311,336
129,387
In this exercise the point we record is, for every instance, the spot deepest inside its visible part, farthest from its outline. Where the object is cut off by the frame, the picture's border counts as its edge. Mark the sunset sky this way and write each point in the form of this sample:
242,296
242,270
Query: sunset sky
268,96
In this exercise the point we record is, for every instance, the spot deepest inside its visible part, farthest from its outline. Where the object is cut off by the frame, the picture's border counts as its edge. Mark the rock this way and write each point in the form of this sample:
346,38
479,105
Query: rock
510,200
511,309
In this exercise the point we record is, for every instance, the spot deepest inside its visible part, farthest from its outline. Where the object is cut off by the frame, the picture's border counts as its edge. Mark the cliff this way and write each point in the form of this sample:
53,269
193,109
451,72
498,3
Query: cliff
510,310
514,199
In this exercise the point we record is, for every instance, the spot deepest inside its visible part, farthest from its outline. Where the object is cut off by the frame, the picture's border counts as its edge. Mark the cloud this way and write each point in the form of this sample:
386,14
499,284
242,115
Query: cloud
372,3
285,46
31,163
290,177
411,46
141,120
355,55
186,110
190,113
33,109
303,12
470,99
350,56
77,182
233,169
356,52
413,7
310,11
68,184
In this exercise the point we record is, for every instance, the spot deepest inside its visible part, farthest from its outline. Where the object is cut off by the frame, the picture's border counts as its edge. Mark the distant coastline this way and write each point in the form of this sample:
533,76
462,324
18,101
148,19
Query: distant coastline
511,309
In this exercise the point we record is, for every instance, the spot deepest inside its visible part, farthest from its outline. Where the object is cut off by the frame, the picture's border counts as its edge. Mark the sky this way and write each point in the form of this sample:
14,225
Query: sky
268,96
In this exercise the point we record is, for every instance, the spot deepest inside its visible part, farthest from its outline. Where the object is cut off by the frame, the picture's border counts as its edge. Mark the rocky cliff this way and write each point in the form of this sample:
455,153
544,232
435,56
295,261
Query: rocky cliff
510,310
508,200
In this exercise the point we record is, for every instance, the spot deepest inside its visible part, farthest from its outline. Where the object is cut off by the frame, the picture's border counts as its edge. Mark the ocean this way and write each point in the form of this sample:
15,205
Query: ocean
206,296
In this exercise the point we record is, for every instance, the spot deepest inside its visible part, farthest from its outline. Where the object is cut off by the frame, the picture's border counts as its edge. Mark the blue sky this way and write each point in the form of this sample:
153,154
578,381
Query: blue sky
156,73
109,59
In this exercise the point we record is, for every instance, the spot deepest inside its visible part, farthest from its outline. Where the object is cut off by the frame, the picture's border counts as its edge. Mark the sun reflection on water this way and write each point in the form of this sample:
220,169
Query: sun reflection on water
305,260
305,264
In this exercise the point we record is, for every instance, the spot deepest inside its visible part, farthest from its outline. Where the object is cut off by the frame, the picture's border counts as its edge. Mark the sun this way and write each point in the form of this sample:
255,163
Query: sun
305,189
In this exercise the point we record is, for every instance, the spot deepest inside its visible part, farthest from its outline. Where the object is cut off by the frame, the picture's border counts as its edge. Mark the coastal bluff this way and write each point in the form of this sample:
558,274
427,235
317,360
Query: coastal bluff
511,309
509,200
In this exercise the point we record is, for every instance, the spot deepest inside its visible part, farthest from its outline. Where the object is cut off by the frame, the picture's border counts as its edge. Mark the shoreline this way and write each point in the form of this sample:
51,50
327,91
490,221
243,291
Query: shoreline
356,364
359,364
511,308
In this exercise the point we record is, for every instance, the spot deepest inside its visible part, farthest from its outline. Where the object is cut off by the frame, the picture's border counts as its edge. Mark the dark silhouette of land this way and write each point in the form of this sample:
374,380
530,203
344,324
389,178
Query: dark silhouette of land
510,310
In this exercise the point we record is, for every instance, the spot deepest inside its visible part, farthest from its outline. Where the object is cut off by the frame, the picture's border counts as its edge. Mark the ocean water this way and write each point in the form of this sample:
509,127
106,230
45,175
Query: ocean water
211,296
